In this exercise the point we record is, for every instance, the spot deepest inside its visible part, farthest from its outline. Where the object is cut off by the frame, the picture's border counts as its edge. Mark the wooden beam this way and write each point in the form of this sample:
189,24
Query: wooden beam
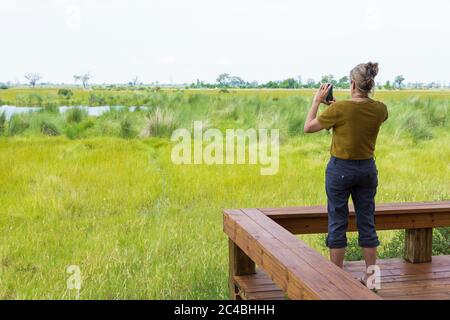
239,265
381,209
418,245
319,224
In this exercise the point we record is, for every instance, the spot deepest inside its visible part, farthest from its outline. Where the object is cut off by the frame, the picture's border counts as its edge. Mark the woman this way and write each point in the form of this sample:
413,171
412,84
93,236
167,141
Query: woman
351,169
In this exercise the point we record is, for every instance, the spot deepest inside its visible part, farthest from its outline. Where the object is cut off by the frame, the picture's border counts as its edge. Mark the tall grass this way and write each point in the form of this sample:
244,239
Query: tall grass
2,122
17,125
75,115
140,227
159,123
126,128
415,117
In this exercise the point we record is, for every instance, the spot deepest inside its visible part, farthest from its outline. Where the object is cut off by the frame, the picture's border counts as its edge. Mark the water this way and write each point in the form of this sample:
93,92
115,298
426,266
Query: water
91,111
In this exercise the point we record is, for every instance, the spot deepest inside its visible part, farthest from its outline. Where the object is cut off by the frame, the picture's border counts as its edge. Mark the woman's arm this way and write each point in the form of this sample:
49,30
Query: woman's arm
311,123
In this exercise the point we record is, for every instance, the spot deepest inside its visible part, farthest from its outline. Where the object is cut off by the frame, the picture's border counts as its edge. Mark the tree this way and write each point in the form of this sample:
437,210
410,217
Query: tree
223,79
327,78
33,78
310,83
235,81
66,93
134,81
83,78
343,83
398,81
388,85
289,83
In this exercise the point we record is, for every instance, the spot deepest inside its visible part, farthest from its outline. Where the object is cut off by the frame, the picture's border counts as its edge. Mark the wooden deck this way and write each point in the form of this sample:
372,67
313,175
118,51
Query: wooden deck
403,280
268,262
400,280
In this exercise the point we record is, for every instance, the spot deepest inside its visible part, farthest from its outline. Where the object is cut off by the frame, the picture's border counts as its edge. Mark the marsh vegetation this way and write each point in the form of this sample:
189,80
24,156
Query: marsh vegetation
102,193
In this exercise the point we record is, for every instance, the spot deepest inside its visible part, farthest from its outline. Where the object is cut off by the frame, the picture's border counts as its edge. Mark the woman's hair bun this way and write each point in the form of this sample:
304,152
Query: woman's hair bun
372,69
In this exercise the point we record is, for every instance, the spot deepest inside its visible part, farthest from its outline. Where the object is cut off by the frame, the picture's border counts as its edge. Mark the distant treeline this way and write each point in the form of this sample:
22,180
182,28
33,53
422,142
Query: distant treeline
225,81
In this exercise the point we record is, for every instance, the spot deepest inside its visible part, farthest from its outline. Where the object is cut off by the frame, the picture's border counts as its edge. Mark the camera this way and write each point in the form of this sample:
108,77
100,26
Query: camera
330,94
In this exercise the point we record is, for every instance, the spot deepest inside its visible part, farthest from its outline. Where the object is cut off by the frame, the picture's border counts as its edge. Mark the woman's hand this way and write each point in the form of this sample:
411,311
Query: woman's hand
321,95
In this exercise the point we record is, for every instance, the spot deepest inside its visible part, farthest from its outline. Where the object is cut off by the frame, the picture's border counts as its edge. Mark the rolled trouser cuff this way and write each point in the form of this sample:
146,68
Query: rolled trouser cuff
368,243
336,243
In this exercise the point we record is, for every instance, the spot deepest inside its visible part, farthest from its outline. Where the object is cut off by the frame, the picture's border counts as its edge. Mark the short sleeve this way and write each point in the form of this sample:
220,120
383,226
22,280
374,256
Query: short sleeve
328,118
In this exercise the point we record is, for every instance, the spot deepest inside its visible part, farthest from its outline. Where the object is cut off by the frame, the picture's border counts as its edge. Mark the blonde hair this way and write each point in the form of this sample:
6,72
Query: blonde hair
364,76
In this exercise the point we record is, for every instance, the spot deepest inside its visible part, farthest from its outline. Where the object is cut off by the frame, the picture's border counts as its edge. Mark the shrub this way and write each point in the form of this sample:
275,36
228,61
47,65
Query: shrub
34,100
230,112
414,123
75,115
437,115
441,241
296,124
126,129
159,123
2,122
50,107
73,131
395,248
109,128
17,125
353,251
194,98
49,129
65,93
96,100
3,87
87,124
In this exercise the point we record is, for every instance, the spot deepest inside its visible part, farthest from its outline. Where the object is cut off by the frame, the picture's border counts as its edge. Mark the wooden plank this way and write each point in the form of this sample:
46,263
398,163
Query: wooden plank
418,245
401,264
402,295
308,225
239,264
403,280
258,287
381,209
393,271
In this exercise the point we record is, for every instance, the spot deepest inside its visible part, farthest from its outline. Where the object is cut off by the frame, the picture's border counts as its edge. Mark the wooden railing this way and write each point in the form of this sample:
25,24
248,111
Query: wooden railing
265,237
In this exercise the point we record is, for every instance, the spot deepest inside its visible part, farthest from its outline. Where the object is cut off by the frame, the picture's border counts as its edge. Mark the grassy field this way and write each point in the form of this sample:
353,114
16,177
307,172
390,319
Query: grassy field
100,194
140,96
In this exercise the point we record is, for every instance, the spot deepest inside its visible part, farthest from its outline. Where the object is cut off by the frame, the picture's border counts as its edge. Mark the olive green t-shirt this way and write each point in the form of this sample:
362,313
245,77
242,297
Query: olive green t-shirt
355,127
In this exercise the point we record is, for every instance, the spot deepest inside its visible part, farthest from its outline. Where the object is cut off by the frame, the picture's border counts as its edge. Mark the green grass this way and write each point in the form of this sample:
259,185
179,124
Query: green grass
141,227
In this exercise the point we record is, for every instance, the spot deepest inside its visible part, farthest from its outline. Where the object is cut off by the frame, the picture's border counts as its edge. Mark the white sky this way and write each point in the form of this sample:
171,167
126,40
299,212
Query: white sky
181,41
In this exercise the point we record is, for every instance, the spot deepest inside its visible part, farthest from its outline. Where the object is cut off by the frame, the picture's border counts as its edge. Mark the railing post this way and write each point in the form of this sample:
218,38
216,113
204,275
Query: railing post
239,264
418,245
